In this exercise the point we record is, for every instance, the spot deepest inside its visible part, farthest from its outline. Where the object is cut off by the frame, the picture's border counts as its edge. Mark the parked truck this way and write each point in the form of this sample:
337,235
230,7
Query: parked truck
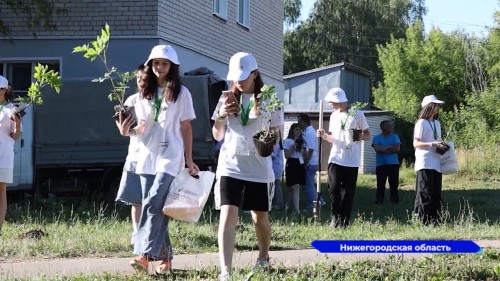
70,144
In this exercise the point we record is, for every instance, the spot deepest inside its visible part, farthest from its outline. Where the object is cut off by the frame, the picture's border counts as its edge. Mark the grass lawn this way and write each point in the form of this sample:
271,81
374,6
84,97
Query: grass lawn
79,228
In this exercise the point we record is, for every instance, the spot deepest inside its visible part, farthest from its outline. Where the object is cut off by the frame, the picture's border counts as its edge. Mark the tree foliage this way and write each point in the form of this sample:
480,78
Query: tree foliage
346,30
38,14
292,11
416,66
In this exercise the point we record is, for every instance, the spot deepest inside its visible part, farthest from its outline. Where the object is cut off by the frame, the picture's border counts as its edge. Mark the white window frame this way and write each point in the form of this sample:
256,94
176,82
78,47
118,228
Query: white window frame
7,71
243,15
219,8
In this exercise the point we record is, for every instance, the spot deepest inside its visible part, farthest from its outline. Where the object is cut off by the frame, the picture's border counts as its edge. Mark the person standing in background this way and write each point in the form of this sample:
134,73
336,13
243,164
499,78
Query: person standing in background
345,155
426,140
387,146
10,130
310,160
129,191
295,171
277,159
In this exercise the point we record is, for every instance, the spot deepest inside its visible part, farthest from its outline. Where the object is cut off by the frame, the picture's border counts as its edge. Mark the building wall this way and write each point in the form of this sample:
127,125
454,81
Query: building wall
85,17
199,37
209,35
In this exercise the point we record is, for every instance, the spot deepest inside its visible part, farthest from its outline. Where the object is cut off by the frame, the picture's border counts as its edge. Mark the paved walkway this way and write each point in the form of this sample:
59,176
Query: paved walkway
289,258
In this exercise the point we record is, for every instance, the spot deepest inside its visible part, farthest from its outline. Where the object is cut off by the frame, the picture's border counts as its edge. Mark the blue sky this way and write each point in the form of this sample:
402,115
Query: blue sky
472,16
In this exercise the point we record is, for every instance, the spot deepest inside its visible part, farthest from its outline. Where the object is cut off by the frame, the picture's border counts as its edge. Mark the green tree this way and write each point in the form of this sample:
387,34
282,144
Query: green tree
416,66
346,30
37,14
292,11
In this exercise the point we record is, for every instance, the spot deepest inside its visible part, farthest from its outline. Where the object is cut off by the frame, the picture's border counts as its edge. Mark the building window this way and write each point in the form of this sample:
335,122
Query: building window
20,74
219,8
244,12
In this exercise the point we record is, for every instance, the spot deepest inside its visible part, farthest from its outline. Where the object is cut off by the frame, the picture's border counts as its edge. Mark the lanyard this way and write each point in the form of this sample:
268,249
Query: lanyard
3,105
245,113
433,128
342,124
156,105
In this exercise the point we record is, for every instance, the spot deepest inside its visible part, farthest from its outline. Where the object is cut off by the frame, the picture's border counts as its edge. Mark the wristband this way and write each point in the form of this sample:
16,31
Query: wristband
219,118
325,137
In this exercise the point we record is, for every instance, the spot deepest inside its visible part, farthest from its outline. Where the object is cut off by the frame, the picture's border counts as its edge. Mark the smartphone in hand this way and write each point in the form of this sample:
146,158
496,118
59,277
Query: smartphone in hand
230,97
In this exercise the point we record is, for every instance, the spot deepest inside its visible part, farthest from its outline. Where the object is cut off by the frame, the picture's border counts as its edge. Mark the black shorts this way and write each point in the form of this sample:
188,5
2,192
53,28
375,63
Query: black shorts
295,172
250,196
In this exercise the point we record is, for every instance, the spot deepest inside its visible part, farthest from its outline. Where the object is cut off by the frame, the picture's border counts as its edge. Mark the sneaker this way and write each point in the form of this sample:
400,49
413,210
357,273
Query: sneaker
164,267
262,265
140,264
224,276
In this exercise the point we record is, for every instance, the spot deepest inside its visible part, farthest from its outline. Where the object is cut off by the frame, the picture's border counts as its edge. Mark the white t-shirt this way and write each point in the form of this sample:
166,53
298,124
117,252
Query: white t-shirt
426,157
289,143
7,127
133,147
345,151
161,146
238,157
311,142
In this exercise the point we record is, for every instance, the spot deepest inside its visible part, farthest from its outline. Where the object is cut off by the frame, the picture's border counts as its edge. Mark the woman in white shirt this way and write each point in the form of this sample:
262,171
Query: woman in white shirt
295,169
165,148
243,177
10,129
426,139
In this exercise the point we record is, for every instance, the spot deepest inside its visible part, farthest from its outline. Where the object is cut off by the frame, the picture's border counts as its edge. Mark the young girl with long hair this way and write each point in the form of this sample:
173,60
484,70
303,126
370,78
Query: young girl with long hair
294,169
165,148
243,177
426,139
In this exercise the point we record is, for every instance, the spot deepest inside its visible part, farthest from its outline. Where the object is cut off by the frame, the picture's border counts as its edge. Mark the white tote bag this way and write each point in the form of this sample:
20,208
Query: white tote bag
188,195
449,163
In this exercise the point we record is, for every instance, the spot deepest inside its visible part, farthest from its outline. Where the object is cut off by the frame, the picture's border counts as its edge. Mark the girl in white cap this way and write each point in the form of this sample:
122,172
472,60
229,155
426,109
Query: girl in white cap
345,155
10,129
165,148
426,139
243,177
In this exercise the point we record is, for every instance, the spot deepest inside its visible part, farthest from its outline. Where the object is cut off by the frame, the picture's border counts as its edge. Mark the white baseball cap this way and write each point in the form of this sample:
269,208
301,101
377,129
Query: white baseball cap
240,66
163,52
430,99
336,95
4,83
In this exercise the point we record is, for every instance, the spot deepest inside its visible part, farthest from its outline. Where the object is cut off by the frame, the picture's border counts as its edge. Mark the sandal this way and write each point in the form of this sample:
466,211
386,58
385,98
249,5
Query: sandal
164,267
140,264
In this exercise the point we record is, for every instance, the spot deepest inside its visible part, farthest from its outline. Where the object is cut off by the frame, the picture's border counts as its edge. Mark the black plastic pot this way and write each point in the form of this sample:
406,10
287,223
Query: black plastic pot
356,134
264,147
125,111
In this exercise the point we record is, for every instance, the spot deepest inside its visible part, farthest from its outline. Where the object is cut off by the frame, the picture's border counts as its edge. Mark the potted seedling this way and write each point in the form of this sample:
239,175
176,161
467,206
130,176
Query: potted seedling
43,77
356,132
119,80
265,139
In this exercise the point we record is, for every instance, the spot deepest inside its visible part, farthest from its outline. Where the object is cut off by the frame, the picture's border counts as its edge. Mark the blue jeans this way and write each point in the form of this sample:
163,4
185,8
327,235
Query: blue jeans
152,238
309,188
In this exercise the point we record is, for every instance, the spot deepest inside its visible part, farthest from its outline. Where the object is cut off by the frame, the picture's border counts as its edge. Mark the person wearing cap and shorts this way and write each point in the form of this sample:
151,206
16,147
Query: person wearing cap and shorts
10,130
243,177
345,155
129,191
165,148
426,138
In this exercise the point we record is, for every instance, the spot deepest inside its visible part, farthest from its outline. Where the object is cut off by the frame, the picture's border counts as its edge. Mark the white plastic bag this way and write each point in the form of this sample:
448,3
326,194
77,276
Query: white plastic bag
188,195
449,164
